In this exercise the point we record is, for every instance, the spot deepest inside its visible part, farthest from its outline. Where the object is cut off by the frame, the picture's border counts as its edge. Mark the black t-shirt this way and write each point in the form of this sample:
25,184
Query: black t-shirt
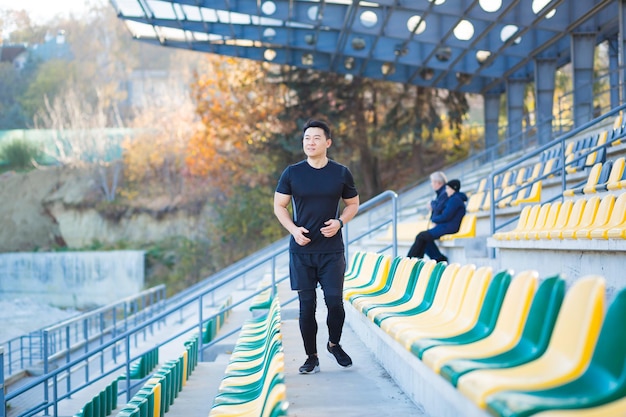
315,196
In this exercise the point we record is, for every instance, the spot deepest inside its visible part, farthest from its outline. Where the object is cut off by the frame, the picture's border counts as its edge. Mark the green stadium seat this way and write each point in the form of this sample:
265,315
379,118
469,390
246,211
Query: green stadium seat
603,381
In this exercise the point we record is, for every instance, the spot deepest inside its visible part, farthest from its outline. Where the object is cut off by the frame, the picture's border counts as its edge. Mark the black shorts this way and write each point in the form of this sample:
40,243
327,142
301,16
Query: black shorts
306,270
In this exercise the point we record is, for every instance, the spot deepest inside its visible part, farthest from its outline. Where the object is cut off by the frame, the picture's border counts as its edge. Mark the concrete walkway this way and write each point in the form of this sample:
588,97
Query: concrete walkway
364,390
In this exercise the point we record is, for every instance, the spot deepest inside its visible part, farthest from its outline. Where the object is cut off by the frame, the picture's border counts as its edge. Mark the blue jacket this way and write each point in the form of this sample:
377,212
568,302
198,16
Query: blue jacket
439,202
449,220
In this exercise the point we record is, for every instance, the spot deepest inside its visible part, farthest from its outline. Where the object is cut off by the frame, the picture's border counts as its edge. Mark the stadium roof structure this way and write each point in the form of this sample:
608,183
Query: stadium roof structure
470,46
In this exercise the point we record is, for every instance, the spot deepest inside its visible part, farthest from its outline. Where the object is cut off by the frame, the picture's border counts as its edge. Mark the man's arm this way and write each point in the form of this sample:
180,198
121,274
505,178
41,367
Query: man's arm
349,211
281,201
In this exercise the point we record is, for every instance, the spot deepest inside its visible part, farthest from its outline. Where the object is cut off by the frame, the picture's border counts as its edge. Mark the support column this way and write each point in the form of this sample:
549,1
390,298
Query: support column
545,70
583,47
614,72
492,116
515,112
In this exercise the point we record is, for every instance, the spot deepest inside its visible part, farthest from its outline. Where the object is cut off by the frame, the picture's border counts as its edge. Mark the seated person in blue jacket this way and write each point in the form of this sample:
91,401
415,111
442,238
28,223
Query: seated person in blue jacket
448,221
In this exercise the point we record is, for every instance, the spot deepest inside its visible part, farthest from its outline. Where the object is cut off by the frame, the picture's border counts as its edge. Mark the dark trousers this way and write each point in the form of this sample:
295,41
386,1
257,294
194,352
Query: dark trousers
308,325
425,243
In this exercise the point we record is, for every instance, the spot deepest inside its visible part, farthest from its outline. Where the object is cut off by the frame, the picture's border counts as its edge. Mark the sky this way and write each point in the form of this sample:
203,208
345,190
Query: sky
43,10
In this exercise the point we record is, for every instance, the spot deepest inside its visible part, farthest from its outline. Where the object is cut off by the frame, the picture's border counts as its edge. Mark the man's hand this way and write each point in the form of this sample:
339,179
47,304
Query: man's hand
331,228
298,234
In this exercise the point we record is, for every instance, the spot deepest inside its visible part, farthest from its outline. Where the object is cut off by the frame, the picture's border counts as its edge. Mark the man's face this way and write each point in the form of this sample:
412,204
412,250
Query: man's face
314,142
436,184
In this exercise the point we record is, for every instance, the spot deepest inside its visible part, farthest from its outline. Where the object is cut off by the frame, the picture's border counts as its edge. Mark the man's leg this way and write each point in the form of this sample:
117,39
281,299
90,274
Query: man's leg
308,324
433,252
418,247
331,275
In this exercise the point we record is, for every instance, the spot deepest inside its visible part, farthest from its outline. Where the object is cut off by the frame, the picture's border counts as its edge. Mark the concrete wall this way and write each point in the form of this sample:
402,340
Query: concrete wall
72,279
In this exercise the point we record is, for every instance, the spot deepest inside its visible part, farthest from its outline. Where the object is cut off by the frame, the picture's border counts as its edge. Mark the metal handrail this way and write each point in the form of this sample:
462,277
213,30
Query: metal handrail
559,141
27,350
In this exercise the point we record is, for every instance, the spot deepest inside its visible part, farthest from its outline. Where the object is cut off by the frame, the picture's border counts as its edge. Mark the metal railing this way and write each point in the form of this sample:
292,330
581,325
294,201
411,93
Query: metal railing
38,348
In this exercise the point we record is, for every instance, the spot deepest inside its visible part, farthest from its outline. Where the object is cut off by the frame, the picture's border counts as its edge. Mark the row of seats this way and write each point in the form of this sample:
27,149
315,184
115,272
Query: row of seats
253,383
514,345
607,176
263,299
102,404
591,218
577,157
214,324
159,392
142,367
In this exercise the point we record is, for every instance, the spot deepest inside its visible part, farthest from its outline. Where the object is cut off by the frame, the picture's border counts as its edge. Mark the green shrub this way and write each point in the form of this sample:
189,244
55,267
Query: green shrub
19,155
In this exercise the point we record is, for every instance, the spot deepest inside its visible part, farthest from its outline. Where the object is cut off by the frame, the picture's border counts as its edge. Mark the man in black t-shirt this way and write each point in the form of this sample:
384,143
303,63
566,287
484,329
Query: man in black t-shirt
315,187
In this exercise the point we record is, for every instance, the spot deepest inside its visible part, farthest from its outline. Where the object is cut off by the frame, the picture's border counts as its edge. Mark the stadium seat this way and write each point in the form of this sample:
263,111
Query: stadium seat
445,305
508,192
487,203
521,223
489,311
586,218
363,269
592,181
560,222
367,281
390,315
466,230
399,275
602,217
617,171
600,154
550,222
507,331
418,298
617,182
602,179
459,316
572,220
531,194
475,202
567,356
616,220
603,381
533,343
539,224
530,223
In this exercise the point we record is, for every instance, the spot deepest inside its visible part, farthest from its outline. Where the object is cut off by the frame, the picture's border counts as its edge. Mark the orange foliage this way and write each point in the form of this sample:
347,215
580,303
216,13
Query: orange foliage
238,110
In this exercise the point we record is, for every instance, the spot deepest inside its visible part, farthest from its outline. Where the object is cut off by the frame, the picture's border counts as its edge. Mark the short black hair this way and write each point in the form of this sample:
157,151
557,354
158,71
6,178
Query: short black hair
317,123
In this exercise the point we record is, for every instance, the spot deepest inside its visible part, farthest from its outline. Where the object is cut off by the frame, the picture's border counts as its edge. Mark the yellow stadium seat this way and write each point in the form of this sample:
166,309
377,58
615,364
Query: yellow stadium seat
592,180
417,295
401,277
521,222
458,317
487,203
530,223
505,335
521,176
616,221
586,218
482,185
532,196
475,201
466,230
406,231
542,216
569,149
602,217
369,283
617,179
363,263
572,220
593,157
567,356
617,123
559,223
550,222
447,282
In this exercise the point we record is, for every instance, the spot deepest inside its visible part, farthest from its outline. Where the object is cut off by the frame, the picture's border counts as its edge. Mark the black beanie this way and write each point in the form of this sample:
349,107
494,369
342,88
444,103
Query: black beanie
454,184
